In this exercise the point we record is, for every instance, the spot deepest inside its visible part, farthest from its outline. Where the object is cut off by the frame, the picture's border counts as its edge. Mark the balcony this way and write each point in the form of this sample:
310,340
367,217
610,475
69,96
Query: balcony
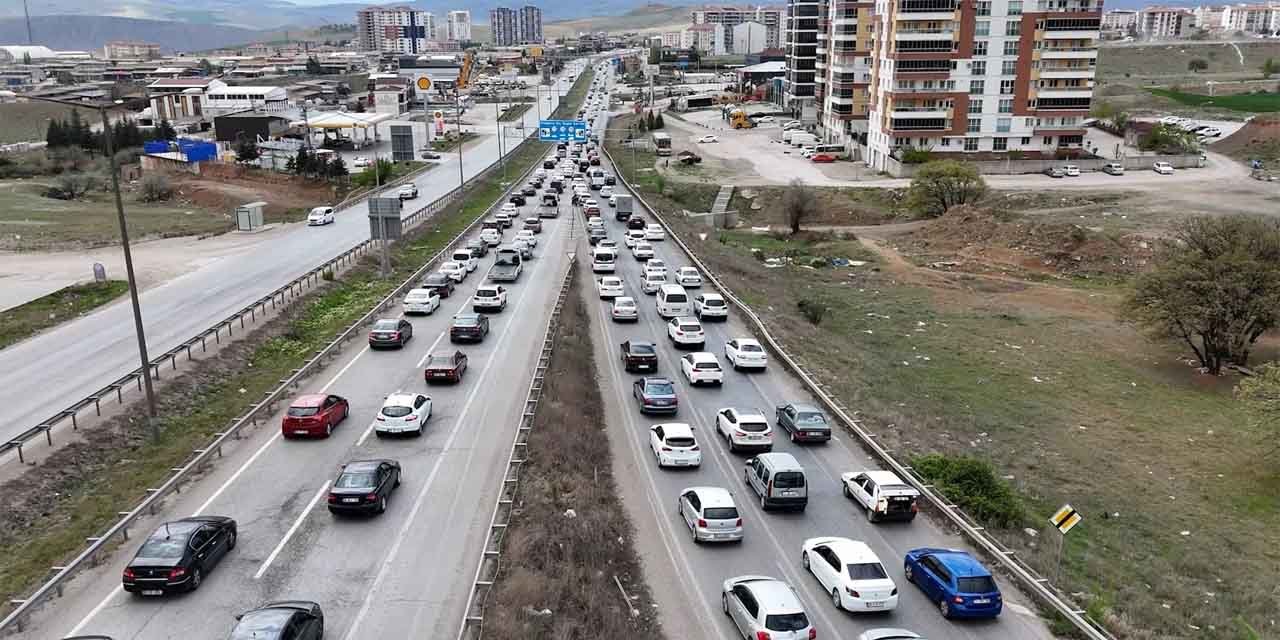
901,112
923,66
1063,104
1072,35
919,124
1059,6
1065,92
924,34
948,88
1051,73
1068,53
917,45
926,10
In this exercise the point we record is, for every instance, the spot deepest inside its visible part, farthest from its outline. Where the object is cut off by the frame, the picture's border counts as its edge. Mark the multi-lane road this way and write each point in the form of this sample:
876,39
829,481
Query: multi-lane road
403,574
51,371
772,541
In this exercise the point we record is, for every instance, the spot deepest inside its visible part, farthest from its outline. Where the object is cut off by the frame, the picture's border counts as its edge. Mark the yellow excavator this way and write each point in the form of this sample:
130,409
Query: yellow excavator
464,76
738,119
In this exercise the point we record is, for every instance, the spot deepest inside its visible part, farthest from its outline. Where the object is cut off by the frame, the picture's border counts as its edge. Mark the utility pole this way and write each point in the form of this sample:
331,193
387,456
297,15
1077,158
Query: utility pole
27,13
457,106
502,156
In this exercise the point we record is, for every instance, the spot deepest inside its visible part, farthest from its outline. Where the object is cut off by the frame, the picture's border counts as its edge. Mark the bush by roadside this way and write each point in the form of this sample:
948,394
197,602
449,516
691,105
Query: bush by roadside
558,567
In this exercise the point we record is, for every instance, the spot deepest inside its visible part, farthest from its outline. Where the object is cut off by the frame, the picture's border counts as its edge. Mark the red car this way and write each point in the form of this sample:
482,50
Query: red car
445,366
314,414
823,157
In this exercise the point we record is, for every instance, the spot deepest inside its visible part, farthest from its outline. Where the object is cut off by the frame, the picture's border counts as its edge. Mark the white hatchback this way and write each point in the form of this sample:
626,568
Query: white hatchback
710,514
456,271
688,277
653,231
527,236
653,281
320,215
609,286
710,306
421,301
633,236
686,332
403,413
745,353
702,367
673,445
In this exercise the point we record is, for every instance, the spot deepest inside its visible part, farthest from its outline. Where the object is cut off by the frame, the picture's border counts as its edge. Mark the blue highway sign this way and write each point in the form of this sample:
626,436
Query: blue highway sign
562,131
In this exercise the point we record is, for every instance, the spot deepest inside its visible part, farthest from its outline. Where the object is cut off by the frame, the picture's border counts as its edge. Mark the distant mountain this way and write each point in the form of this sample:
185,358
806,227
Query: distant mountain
81,33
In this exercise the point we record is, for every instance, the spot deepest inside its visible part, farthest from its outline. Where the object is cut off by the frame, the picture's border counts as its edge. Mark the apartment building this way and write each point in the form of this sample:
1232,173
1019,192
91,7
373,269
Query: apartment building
1164,22
971,76
459,26
515,26
770,17
1121,20
748,37
706,38
844,65
800,44
1251,18
670,39
399,29
130,49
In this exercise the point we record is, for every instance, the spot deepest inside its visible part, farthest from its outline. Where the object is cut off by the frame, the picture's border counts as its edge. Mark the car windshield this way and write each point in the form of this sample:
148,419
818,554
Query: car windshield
707,366
638,348
386,325
440,361
396,411
979,584
436,278
720,513
302,412
659,389
355,480
690,327
162,545
466,321
268,623
717,302
866,571
676,297
811,419
680,441
788,479
786,622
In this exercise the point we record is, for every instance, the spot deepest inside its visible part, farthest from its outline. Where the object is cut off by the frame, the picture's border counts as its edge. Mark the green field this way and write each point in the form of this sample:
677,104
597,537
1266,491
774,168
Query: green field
1249,102
24,321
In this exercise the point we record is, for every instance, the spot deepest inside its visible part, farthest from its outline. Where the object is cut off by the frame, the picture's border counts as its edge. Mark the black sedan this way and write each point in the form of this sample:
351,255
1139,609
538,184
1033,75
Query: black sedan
477,248
635,223
178,555
445,367
286,620
439,283
390,332
517,199
639,355
364,486
804,422
529,191
655,395
610,179
470,327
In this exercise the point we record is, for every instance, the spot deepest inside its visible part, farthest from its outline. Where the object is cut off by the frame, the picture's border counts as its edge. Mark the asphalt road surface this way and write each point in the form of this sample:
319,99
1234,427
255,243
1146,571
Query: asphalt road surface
48,373
403,574
693,573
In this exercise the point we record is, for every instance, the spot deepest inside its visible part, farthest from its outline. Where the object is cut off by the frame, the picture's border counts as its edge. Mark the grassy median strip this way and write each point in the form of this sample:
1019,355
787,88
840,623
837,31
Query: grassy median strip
25,320
569,537
75,492
514,112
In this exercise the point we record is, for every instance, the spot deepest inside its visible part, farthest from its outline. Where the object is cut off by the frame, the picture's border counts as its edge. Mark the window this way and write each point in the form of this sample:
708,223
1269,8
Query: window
982,28
1048,140
978,68
946,142
1006,87
1009,68
975,125
1026,141
970,144
1013,28
1003,125
1006,105
975,106
999,144
976,87
980,48
984,7
1015,7
1011,47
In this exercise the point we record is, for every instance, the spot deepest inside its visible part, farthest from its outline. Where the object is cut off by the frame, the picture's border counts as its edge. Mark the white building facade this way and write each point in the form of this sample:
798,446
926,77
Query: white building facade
707,39
748,37
398,29
459,26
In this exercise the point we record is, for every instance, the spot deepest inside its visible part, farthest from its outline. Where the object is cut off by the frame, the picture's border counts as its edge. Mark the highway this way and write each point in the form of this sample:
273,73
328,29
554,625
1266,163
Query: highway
403,574
691,607
57,368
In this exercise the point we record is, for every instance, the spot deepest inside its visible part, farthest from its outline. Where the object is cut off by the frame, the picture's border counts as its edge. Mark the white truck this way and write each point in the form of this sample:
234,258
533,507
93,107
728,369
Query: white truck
622,207
804,139
882,494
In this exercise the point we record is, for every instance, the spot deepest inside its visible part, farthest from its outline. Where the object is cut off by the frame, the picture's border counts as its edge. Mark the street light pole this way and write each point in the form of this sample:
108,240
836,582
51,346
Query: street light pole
457,112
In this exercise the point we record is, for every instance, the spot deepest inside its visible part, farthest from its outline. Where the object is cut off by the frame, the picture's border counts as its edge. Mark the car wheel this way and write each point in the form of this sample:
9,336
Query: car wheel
911,575
844,487
871,515
724,603
197,577
382,504
944,608
793,436
397,479
377,433
693,530
328,429
804,560
231,541
764,506
835,599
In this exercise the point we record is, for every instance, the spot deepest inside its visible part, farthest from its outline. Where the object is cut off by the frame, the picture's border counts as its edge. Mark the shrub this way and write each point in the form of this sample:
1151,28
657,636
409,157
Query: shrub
972,484
154,187
812,310
915,155
72,186
818,263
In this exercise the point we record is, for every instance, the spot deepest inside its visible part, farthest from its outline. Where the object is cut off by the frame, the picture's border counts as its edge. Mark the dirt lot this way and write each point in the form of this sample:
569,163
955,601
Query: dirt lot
1017,359
1257,139
557,578
223,188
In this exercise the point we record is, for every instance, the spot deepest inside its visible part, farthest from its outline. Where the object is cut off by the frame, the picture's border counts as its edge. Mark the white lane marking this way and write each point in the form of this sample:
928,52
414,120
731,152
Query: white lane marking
444,333
292,530
334,379
420,499
365,436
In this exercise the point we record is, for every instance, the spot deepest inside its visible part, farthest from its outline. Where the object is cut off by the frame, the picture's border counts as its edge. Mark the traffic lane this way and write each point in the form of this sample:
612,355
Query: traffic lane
292,471
823,464
87,353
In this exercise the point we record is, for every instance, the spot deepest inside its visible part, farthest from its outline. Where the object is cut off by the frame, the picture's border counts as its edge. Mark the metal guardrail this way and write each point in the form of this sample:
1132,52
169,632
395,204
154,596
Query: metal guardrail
201,458
1036,583
279,297
487,569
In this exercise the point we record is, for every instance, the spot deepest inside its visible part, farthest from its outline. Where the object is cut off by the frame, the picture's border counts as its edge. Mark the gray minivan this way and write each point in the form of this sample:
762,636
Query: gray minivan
778,479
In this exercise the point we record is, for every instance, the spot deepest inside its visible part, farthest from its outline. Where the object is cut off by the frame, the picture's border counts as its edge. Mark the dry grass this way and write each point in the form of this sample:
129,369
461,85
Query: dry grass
567,564
68,303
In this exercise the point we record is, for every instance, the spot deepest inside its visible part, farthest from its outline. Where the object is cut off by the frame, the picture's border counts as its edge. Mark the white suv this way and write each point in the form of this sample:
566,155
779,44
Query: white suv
673,445
745,353
490,296
686,332
702,367
710,305
744,429
764,607
710,514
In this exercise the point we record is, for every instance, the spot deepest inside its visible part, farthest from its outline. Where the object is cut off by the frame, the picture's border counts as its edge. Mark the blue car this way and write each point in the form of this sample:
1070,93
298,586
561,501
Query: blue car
959,584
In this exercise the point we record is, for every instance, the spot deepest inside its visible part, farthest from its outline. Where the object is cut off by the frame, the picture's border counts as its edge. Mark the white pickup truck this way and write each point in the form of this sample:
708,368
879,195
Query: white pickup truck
882,494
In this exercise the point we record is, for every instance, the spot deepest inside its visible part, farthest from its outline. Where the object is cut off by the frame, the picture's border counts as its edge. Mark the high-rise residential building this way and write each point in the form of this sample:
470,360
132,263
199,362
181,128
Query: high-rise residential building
516,26
459,26
729,16
117,49
993,76
707,39
401,29
748,37
1164,22
529,24
1250,18
844,64
671,39
800,43
1120,20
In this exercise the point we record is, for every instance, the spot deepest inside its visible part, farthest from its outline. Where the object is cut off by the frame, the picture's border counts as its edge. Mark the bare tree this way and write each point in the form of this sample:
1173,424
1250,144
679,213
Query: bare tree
799,202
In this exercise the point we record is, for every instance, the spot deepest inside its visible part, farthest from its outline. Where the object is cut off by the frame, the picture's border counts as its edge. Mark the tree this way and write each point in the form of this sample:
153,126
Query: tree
1167,138
154,187
649,122
1269,68
939,185
206,67
313,67
165,130
1260,394
26,57
695,57
798,204
247,150
1215,286
658,123
300,163
55,136
78,131
337,168
1197,65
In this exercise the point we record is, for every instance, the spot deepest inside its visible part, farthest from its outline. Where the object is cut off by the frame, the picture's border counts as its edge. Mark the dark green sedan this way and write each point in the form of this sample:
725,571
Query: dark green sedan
804,422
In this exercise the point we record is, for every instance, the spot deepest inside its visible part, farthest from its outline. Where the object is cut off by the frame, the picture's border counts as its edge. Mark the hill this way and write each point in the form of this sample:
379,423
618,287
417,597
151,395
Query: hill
650,17
91,32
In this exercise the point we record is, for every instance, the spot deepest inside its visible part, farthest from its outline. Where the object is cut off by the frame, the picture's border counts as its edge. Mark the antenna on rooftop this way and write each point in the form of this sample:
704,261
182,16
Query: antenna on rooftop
27,13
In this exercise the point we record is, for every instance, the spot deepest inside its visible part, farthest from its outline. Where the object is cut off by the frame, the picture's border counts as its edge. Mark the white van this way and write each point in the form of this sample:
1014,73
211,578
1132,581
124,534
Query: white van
464,257
672,301
603,261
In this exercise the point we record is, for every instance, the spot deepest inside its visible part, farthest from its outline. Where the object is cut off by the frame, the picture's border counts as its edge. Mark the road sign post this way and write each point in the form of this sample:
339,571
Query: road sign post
1064,520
